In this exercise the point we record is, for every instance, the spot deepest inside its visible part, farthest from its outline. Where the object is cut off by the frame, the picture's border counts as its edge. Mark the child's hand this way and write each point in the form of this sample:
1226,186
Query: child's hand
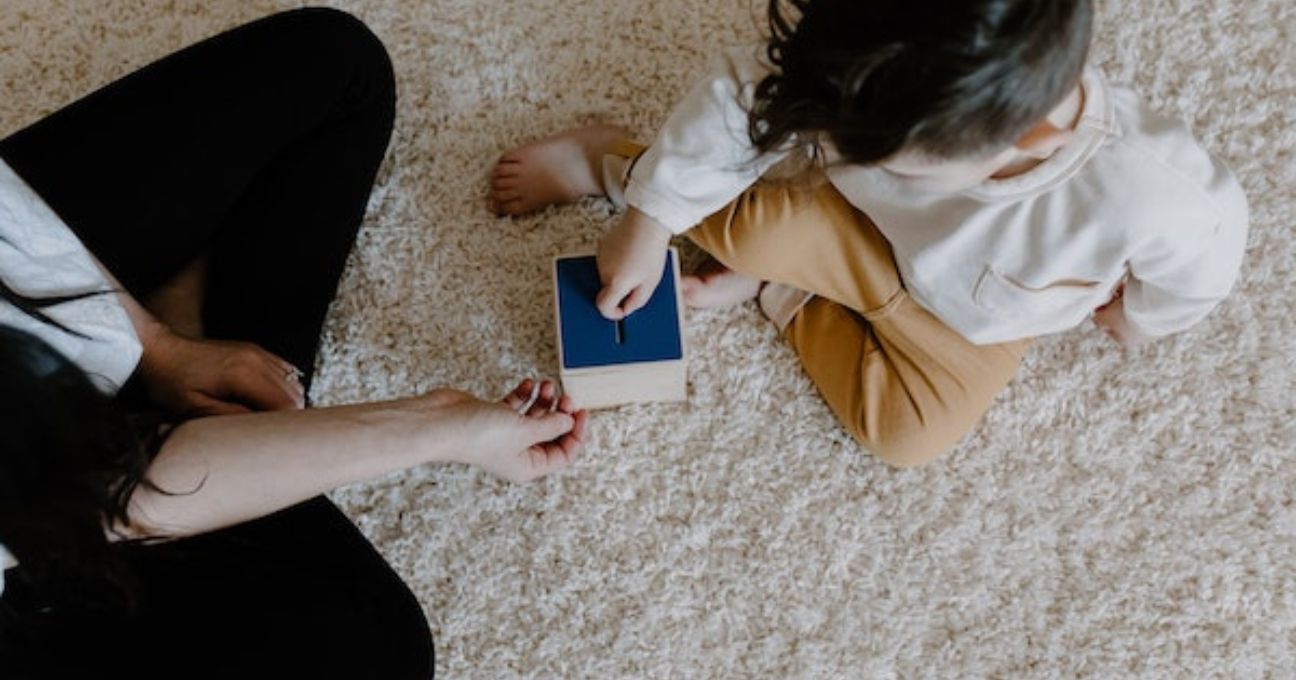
1111,319
631,258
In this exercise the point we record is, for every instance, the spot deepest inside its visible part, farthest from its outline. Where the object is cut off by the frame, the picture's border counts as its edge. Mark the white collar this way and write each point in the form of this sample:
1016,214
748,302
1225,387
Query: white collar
1096,125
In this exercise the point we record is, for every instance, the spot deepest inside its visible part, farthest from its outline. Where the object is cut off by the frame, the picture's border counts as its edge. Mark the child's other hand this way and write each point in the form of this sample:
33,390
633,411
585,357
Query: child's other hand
1111,319
631,258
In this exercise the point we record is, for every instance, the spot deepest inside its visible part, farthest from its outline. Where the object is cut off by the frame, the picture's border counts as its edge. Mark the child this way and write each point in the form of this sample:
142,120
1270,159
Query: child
972,186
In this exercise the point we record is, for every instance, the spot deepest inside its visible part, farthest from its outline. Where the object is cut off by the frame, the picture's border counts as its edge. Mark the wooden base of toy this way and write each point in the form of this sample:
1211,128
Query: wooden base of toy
607,388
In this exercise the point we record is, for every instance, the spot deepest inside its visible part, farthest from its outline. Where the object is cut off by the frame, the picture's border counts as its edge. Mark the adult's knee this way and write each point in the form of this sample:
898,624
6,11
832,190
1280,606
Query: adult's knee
347,45
415,659
397,638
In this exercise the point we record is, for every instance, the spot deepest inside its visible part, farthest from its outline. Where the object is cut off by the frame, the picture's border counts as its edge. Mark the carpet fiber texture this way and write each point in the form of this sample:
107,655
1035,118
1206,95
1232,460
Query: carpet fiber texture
1116,514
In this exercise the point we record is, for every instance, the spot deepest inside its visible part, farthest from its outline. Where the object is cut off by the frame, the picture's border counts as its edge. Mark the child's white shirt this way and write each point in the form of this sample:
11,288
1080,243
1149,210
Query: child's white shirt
1132,198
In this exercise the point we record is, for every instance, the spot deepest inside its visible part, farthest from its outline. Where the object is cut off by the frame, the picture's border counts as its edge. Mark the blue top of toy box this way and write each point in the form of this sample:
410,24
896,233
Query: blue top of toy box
588,340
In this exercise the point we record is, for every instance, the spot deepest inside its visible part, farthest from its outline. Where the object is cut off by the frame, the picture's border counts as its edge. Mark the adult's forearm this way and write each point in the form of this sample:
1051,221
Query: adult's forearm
216,472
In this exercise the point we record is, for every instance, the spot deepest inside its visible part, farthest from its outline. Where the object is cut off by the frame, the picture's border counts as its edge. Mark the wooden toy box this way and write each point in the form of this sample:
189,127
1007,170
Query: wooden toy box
605,363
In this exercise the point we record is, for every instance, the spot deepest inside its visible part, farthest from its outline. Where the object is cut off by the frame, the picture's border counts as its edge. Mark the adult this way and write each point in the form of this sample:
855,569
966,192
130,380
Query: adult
223,186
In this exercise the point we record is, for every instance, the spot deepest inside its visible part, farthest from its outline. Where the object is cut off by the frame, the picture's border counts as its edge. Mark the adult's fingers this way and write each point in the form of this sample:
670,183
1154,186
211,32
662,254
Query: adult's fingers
279,362
547,457
281,368
261,388
580,428
541,463
544,401
572,442
566,405
203,405
520,395
548,427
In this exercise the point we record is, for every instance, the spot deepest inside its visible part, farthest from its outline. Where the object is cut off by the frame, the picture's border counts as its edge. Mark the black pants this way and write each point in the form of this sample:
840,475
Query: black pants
257,148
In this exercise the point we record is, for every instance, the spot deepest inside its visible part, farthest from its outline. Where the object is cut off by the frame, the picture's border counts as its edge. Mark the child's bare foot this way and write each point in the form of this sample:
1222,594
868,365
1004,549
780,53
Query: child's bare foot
558,169
715,285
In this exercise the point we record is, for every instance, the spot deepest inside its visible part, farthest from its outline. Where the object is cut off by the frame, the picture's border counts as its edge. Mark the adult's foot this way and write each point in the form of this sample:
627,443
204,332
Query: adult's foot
555,170
715,285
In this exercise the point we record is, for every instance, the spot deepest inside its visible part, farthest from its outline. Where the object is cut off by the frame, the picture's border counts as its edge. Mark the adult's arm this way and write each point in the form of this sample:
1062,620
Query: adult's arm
219,471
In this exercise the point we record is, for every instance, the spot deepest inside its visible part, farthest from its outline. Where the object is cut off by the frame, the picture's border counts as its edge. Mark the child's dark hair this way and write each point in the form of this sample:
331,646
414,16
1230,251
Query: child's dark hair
950,78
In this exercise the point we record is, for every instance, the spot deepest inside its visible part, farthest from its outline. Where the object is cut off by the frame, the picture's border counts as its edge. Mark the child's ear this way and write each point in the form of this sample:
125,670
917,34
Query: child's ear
1043,140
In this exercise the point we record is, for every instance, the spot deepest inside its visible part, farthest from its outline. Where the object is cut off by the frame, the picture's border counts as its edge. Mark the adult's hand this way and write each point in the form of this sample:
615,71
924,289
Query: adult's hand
528,434
208,377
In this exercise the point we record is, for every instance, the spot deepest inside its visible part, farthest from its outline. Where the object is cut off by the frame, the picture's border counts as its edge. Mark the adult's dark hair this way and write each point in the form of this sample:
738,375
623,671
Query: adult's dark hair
950,78
70,459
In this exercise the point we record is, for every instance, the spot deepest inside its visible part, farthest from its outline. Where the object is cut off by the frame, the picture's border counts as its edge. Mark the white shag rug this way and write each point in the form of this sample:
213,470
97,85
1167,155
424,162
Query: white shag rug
1114,516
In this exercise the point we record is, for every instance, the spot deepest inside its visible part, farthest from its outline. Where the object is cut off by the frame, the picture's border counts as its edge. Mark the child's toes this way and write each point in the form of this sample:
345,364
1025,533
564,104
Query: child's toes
505,183
503,171
501,207
506,170
507,196
690,286
514,207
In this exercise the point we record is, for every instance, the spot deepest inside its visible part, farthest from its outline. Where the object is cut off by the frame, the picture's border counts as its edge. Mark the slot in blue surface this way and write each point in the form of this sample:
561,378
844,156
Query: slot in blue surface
589,340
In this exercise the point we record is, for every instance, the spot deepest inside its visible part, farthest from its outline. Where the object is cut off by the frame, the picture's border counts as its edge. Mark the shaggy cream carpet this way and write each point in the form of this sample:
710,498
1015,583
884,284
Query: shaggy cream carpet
1116,515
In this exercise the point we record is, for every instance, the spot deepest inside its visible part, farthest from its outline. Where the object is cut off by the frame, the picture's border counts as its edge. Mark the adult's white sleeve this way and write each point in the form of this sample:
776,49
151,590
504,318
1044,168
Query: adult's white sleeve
41,257
703,157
